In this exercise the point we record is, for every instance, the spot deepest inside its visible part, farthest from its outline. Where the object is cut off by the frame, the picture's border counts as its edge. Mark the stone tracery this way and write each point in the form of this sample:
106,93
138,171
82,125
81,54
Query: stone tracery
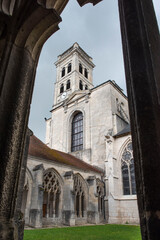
100,194
127,166
52,192
80,191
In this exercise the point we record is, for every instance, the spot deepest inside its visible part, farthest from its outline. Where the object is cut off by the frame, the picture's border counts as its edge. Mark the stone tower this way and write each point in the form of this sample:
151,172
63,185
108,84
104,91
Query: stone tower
74,73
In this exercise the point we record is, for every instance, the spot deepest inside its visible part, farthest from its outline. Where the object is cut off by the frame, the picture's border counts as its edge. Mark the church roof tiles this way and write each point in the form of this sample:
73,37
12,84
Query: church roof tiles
38,149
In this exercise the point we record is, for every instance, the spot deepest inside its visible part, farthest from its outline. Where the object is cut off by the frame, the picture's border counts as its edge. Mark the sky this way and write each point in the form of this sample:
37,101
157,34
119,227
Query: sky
97,31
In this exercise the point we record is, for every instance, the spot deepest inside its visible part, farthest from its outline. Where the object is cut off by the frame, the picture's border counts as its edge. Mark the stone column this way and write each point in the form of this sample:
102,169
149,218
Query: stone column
109,178
25,26
141,48
36,211
54,205
68,200
80,206
48,202
18,216
92,213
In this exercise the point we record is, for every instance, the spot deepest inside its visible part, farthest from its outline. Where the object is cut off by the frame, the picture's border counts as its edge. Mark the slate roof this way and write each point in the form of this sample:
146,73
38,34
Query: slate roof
38,149
124,132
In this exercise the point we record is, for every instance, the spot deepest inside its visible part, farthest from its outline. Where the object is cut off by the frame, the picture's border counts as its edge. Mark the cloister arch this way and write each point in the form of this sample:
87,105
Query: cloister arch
53,194
81,196
25,26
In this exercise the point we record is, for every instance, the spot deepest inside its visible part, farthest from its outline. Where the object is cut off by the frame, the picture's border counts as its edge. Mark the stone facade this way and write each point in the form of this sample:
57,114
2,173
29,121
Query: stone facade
98,117
60,189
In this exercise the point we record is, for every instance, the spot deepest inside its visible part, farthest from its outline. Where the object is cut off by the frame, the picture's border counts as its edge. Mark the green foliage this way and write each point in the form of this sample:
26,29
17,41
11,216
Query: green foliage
99,232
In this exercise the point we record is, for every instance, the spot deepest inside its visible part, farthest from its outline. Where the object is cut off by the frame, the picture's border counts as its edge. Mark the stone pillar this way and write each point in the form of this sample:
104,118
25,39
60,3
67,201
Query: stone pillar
18,216
36,213
68,200
141,48
25,26
92,214
109,178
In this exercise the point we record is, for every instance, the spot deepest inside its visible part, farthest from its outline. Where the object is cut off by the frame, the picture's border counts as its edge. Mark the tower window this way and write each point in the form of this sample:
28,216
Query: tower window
80,68
128,175
62,88
68,84
80,85
77,132
86,73
63,72
86,87
69,67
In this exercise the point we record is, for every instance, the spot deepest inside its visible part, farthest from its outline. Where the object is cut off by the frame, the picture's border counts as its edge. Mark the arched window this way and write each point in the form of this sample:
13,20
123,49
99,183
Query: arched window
69,67
77,132
62,88
86,73
63,72
68,84
100,194
128,175
80,85
80,68
86,87
80,191
51,196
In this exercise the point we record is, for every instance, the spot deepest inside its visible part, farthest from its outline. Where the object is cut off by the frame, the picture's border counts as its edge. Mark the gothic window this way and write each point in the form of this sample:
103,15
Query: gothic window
51,196
80,195
62,88
69,67
80,85
77,132
86,73
80,68
68,84
63,72
128,175
100,194
86,87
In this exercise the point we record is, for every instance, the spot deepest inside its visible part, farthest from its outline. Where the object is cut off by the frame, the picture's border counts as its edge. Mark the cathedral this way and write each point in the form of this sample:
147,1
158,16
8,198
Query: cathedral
84,173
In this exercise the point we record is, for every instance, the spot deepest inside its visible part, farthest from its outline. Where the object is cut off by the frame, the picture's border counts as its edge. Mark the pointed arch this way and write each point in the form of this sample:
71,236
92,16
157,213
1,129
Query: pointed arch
52,197
127,169
100,193
81,195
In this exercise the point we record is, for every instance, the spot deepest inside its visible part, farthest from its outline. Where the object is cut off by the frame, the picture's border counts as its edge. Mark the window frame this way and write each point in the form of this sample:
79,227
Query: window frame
126,161
86,73
69,68
63,72
80,68
80,85
79,134
68,85
61,88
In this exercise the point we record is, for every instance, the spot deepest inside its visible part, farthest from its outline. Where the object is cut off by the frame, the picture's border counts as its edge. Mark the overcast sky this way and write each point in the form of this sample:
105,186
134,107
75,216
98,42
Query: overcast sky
97,31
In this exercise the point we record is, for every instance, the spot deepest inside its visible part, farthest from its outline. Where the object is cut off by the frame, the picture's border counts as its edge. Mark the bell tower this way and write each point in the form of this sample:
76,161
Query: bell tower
74,73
